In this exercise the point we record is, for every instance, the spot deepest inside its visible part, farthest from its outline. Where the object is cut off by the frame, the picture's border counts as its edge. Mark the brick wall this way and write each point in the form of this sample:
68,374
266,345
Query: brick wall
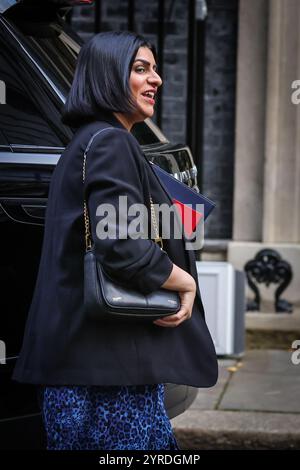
175,72
83,21
219,114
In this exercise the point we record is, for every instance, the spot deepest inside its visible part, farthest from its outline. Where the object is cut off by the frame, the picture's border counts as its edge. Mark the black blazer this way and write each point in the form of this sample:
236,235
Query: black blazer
61,345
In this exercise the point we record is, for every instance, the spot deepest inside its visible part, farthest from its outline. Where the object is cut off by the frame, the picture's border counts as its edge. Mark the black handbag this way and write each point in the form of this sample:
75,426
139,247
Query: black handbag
107,298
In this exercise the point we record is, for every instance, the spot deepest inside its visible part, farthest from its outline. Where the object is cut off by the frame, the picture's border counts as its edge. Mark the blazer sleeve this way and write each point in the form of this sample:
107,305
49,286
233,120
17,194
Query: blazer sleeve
113,169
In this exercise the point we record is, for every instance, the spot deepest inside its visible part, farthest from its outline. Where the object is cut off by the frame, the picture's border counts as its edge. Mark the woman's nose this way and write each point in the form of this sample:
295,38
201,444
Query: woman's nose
155,78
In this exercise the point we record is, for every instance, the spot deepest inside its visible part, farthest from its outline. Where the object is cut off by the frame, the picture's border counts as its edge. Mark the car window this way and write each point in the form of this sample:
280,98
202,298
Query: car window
3,140
21,121
146,135
58,52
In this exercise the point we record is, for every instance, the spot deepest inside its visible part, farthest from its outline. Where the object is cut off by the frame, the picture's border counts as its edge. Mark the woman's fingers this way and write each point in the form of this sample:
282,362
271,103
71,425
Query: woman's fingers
175,319
185,312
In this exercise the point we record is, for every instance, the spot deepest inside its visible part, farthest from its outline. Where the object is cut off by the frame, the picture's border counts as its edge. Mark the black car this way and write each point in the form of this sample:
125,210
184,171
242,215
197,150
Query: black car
38,51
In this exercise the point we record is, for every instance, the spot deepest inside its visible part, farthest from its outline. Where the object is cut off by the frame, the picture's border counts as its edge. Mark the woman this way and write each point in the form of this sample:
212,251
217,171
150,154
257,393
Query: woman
102,382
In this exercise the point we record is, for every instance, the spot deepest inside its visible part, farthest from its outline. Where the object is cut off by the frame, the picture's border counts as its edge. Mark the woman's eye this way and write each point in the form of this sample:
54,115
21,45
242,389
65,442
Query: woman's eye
138,69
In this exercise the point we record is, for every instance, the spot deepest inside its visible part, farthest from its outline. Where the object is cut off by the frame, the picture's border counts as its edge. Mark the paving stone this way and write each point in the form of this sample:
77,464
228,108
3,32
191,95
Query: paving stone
262,392
268,361
255,405
208,398
215,429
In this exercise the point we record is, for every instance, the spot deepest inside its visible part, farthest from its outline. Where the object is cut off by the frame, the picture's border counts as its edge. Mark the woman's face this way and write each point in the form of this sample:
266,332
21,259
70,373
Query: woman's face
144,82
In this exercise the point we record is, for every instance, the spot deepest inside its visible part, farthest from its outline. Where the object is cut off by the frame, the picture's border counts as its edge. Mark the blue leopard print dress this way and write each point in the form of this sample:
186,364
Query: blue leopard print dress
106,418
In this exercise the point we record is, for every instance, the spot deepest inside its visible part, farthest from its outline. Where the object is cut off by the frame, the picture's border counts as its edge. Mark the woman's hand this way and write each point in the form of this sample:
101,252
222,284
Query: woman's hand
183,282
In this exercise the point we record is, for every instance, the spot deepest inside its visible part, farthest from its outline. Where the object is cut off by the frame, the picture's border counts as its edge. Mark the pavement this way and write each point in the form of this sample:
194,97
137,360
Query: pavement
254,405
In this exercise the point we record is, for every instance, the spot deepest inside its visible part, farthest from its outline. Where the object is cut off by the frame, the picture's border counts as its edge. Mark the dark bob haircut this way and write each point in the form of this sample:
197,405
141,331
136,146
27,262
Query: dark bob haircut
101,79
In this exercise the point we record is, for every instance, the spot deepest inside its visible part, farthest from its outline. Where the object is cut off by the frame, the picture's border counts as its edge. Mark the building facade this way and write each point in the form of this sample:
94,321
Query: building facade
266,203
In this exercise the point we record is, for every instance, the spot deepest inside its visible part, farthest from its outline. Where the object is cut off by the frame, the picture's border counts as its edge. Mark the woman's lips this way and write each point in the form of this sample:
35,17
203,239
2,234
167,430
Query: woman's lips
150,100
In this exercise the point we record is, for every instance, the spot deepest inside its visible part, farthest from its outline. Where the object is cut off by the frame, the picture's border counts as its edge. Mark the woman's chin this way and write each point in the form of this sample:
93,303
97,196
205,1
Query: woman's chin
148,113
144,115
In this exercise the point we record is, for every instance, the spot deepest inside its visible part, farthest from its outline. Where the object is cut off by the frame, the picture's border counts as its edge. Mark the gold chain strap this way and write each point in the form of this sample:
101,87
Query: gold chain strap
88,237
157,238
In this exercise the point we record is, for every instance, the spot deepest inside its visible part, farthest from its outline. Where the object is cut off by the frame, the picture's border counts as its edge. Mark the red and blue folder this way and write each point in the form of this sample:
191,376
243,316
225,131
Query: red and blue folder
185,199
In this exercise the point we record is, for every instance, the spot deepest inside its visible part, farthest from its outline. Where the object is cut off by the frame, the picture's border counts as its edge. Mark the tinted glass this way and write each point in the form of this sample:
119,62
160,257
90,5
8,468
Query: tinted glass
58,52
21,121
143,134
